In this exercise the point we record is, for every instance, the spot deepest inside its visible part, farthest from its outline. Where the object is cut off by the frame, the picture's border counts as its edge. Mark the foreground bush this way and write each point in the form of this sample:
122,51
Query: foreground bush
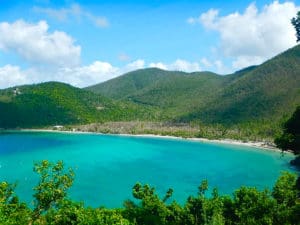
247,205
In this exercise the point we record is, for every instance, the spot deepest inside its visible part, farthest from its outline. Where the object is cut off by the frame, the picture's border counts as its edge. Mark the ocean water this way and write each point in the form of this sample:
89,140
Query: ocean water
107,166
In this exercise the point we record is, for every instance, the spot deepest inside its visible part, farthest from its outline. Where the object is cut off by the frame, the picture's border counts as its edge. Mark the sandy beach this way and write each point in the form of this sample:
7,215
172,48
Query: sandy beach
260,145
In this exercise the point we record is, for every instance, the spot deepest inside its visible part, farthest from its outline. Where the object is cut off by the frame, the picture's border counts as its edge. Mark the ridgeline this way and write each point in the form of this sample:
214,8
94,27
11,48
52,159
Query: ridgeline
257,99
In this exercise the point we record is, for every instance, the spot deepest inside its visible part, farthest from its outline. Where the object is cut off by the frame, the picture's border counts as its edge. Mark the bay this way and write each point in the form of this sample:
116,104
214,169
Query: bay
107,166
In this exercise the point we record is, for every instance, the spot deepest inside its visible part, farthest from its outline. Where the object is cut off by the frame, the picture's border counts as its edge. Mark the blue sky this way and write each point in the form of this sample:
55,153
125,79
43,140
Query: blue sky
87,42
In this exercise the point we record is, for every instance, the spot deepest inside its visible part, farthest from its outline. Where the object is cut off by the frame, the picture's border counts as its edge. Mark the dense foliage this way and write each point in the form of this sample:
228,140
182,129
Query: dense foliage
290,139
246,206
251,102
54,103
296,24
174,92
264,94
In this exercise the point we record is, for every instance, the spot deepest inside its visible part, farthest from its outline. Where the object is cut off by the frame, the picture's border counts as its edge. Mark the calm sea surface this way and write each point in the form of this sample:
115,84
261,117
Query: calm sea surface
108,166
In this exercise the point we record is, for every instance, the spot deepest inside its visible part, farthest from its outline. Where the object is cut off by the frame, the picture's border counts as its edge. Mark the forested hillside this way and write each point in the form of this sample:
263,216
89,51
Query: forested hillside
174,92
268,92
54,103
264,94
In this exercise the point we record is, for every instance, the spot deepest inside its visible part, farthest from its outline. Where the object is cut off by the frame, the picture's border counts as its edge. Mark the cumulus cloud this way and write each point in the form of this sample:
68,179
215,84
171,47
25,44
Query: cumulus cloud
183,65
221,68
135,65
34,43
82,76
74,11
11,76
206,19
54,56
255,35
206,63
159,65
79,76
178,65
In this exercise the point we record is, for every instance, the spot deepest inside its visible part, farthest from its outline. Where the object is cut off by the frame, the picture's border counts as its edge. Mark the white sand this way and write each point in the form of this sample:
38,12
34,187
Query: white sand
260,145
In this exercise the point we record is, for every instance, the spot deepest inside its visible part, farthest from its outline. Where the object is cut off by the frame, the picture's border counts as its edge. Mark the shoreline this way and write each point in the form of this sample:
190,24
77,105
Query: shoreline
259,145
254,144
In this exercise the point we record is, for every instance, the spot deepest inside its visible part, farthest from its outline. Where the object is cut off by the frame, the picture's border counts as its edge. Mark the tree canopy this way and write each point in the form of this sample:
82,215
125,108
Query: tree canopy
247,205
290,139
296,24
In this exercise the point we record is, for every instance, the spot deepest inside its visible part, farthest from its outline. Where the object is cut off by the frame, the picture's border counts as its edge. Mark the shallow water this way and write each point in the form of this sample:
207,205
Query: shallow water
107,166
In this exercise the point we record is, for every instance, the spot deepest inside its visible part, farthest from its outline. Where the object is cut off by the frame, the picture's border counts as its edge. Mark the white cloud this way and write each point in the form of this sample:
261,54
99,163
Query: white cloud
34,43
221,68
158,65
135,65
183,65
75,11
255,35
94,73
206,63
244,61
207,19
82,76
11,76
79,76
178,65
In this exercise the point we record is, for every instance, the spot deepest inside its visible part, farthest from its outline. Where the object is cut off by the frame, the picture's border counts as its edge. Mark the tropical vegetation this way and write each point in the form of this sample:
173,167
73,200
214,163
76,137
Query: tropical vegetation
54,103
267,93
290,138
250,104
296,23
247,205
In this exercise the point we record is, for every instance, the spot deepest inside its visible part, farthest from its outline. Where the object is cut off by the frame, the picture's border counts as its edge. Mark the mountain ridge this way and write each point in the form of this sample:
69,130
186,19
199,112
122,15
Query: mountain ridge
266,93
253,93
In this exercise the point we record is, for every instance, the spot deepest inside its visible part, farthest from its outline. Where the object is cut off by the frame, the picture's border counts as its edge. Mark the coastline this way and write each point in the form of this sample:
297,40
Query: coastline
255,144
259,145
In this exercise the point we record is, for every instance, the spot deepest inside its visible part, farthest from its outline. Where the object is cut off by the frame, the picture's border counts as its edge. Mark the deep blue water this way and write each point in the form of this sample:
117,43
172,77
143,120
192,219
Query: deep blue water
108,166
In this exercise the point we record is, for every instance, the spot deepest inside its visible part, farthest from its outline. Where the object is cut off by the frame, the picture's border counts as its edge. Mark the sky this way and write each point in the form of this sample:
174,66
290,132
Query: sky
88,42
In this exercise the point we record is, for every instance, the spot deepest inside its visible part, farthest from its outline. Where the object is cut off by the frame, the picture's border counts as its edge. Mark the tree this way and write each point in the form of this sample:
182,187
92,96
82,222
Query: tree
152,209
296,24
203,210
52,187
12,211
290,139
286,194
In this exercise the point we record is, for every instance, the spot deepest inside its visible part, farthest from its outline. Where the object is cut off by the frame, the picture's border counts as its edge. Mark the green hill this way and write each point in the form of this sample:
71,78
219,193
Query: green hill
263,94
171,91
266,92
55,103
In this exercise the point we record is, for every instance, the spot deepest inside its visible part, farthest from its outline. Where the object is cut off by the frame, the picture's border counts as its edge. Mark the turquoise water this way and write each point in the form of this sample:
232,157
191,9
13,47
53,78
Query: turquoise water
107,166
